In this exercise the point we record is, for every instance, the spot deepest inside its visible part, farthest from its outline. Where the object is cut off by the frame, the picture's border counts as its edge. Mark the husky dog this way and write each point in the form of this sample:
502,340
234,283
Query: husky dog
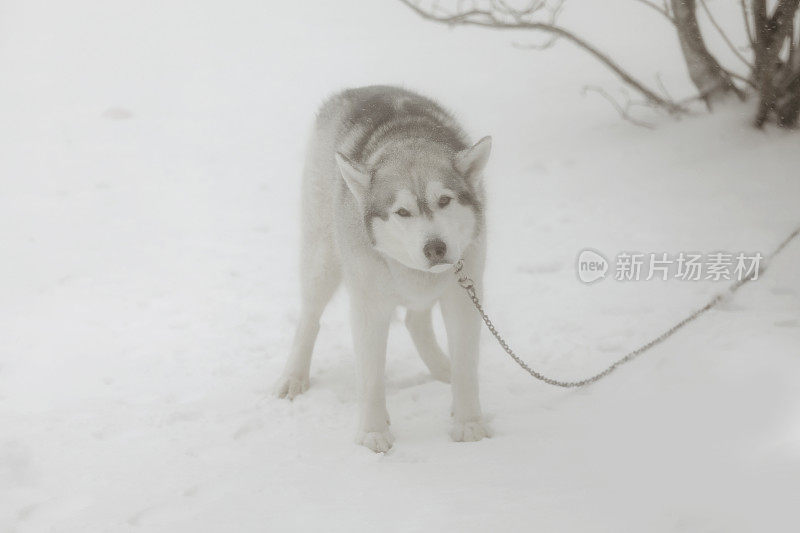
392,198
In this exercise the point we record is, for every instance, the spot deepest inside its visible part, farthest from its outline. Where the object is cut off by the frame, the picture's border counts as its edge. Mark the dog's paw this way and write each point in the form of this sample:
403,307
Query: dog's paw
288,387
377,441
469,431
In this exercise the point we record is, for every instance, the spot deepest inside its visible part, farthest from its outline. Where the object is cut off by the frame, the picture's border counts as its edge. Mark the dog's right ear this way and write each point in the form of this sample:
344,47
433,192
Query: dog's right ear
355,176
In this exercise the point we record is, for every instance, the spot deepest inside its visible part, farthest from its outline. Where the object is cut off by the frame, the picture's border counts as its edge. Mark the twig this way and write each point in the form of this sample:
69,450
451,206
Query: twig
487,19
662,10
792,45
623,111
698,97
741,78
724,35
517,14
663,87
747,27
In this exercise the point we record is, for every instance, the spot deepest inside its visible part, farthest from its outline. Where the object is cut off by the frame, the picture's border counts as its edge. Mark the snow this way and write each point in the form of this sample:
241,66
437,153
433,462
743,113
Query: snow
149,186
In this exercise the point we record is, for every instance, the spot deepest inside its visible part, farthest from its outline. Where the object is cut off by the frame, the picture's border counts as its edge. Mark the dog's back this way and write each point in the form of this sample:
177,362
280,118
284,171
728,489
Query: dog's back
377,114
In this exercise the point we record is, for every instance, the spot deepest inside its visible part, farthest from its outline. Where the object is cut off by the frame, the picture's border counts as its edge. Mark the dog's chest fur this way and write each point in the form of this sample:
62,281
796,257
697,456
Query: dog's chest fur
418,290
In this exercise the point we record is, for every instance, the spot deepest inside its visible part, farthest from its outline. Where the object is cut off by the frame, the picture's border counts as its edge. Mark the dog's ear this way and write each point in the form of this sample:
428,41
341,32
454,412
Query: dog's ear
355,175
470,161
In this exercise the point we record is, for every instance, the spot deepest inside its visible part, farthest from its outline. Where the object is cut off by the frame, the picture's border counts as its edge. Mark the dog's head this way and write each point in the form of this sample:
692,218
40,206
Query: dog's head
420,201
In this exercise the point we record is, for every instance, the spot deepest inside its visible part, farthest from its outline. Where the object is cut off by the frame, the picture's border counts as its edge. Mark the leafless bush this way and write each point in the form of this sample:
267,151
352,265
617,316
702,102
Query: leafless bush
773,48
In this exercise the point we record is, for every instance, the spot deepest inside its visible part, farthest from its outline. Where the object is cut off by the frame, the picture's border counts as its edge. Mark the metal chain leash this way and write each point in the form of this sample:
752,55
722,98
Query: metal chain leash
469,286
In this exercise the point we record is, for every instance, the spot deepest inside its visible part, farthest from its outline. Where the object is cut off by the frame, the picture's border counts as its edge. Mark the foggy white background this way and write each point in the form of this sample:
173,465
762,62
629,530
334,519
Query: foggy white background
150,158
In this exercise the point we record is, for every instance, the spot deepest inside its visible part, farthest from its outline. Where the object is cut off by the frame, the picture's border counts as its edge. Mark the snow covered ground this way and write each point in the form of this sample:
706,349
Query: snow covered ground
149,184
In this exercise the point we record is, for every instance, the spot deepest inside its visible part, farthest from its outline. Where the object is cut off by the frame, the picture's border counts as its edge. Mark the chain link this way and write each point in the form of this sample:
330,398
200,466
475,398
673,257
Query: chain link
469,286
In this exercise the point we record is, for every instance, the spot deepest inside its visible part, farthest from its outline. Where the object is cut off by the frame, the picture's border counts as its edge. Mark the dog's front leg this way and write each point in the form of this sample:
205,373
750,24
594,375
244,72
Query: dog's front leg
462,323
370,329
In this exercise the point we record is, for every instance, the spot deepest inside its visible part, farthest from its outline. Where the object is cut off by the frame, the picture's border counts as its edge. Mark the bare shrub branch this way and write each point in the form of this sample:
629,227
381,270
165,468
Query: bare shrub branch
664,11
704,70
723,34
743,79
747,26
502,17
771,34
773,38
623,110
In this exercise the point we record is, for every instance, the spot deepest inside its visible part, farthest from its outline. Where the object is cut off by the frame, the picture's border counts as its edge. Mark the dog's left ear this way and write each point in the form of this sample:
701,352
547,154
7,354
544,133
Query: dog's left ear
470,162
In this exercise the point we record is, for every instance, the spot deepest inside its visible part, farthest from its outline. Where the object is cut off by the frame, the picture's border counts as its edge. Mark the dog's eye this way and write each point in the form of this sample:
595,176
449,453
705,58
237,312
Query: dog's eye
403,212
444,201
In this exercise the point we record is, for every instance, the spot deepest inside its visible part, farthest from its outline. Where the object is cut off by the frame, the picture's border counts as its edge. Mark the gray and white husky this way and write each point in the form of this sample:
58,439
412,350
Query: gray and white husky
392,198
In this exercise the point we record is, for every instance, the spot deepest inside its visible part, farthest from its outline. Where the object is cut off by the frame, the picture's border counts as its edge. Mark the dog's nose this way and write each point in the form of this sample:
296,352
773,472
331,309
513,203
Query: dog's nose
435,249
